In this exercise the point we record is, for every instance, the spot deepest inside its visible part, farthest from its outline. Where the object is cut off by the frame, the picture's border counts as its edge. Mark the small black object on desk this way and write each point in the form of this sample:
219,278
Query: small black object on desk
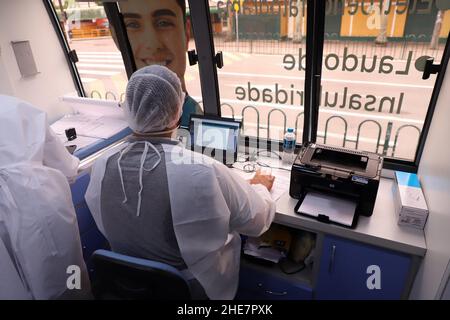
71,134
71,148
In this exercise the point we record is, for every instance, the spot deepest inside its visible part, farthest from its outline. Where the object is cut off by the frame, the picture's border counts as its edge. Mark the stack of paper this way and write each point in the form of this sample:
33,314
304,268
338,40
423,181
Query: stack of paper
254,247
337,210
411,207
88,125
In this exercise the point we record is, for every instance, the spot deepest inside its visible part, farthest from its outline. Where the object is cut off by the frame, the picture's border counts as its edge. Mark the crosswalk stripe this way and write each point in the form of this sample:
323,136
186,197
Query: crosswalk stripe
87,80
83,60
99,52
99,65
232,56
100,57
188,77
98,72
226,61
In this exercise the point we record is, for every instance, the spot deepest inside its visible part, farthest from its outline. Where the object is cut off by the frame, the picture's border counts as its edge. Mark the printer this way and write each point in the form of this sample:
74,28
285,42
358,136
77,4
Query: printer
343,173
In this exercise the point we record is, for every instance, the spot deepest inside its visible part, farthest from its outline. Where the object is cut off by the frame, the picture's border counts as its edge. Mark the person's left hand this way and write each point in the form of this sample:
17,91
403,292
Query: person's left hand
264,179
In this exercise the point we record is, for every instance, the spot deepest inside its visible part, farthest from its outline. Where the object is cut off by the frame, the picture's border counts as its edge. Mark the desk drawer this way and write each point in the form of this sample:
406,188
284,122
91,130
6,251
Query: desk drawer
255,284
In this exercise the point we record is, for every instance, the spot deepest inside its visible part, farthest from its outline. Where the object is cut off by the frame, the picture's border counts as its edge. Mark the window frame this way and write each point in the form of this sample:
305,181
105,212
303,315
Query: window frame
70,55
204,42
318,27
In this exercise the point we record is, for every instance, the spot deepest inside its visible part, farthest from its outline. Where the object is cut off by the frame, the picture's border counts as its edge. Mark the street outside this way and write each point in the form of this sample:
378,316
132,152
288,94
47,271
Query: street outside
392,96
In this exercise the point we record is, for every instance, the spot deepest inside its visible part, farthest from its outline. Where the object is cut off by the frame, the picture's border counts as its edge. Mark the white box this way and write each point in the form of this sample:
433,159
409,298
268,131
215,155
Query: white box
411,206
415,221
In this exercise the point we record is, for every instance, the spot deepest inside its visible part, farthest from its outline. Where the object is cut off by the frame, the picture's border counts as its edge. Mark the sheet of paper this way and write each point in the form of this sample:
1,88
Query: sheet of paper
253,248
280,185
97,107
337,209
93,126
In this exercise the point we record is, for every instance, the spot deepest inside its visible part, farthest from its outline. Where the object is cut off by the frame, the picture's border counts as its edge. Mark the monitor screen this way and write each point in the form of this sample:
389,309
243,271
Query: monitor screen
219,134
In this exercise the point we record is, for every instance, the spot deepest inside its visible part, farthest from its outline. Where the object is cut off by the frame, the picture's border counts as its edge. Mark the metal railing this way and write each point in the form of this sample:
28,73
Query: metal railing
108,95
345,130
387,146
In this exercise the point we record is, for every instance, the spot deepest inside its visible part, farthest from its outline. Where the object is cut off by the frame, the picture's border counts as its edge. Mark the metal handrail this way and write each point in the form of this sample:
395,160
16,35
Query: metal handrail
257,119
268,121
359,132
398,132
296,125
345,129
229,106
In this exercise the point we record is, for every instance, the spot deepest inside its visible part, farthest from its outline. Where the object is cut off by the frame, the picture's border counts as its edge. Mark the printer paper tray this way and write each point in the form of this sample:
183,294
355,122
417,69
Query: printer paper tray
327,208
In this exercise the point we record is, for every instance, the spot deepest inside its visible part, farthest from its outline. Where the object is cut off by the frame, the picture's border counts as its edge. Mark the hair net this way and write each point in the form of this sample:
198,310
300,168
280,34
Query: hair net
154,99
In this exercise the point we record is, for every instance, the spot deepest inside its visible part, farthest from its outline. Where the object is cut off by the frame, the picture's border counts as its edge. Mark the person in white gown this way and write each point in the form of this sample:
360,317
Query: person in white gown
39,237
154,199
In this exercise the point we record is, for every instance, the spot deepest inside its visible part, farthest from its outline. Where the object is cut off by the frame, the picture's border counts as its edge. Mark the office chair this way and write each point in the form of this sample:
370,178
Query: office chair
123,277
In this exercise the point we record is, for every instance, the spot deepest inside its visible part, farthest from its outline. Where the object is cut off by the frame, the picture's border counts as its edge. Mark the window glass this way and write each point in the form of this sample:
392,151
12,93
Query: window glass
373,96
262,81
160,33
100,64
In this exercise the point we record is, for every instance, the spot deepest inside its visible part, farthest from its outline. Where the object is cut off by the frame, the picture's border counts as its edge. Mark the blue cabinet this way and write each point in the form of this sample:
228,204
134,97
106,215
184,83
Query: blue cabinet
259,283
352,270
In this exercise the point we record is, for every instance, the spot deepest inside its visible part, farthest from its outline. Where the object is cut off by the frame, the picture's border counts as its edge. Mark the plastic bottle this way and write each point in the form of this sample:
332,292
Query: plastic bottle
289,147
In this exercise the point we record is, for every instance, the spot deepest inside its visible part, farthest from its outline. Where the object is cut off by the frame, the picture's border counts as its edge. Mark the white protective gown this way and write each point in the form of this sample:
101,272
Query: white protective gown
210,206
40,231
11,285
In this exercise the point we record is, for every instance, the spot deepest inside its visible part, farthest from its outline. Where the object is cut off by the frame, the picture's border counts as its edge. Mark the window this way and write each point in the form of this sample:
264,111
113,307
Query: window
262,81
373,96
146,32
159,32
100,64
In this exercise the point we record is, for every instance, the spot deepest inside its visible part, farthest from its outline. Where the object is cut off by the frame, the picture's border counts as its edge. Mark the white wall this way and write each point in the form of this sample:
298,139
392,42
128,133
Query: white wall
434,173
28,20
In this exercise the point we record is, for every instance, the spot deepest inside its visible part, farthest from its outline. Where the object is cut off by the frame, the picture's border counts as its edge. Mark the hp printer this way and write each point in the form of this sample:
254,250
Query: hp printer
343,173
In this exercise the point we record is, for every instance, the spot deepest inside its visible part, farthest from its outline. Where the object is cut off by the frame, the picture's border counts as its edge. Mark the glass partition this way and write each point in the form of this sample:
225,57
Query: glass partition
373,96
160,33
88,32
262,81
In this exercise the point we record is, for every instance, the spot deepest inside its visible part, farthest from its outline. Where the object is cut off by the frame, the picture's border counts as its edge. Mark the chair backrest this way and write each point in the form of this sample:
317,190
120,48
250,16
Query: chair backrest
124,277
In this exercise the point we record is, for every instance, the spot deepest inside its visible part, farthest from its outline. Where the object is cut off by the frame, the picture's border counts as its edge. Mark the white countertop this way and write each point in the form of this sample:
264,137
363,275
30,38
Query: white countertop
380,229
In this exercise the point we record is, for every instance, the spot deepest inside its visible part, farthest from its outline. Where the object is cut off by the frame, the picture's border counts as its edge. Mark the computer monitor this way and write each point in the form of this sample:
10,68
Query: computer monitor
216,137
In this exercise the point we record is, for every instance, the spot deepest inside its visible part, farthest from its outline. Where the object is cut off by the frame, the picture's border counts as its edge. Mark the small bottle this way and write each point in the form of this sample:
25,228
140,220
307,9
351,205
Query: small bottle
289,147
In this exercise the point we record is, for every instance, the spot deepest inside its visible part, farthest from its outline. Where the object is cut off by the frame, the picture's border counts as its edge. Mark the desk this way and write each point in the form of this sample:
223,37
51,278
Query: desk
380,229
343,256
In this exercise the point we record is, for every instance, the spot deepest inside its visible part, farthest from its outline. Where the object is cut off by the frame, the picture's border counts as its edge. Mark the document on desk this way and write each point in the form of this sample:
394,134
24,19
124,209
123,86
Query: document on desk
280,185
253,247
336,209
93,126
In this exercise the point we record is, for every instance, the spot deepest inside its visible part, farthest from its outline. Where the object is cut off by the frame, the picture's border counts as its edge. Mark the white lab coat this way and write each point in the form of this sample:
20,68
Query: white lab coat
36,210
11,285
210,206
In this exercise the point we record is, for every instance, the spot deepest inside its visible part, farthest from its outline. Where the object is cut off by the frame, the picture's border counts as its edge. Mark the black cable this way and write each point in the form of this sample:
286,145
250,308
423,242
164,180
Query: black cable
246,158
269,151
262,164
